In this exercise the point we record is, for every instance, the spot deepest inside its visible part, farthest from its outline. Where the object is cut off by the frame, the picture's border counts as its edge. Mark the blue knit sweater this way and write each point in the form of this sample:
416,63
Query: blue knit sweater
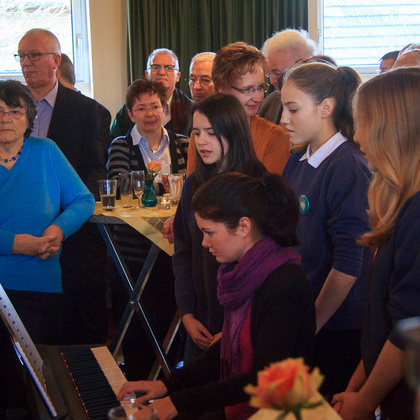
333,204
41,189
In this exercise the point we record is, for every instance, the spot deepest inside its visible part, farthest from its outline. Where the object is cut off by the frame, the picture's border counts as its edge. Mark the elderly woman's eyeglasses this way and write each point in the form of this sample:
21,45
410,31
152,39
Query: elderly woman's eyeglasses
16,115
169,68
205,81
35,56
251,90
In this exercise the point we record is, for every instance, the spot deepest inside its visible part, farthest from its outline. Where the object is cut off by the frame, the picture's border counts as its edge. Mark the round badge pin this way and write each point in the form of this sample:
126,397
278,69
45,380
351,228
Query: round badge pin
303,204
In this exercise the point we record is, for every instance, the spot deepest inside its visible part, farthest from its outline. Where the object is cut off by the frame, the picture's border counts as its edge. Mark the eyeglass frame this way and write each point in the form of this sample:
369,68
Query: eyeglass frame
280,73
154,109
168,68
36,56
206,81
14,114
251,90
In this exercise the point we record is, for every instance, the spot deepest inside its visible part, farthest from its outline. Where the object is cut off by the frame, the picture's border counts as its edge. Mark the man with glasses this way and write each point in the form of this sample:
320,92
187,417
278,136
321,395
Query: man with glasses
72,121
283,50
200,81
162,66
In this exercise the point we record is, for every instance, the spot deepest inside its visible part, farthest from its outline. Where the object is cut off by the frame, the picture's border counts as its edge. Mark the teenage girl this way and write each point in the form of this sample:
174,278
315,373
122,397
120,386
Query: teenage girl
249,225
224,144
388,130
330,177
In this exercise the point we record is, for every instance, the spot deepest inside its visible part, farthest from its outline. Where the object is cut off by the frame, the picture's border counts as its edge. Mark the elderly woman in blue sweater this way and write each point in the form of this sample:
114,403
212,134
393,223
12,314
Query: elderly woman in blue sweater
43,201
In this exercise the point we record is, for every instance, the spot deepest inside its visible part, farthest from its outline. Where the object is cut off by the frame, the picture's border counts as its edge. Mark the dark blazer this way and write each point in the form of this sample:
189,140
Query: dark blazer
76,128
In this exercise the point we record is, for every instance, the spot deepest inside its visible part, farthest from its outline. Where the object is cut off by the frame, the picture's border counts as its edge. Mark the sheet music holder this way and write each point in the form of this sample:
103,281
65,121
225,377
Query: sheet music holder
29,355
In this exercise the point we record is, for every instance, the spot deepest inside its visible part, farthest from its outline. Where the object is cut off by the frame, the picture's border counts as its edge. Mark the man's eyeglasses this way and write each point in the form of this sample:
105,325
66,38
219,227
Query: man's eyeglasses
145,109
251,90
169,68
279,74
205,81
35,56
16,115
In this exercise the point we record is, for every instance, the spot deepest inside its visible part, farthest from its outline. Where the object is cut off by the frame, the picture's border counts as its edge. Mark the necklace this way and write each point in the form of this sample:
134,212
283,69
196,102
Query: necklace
12,159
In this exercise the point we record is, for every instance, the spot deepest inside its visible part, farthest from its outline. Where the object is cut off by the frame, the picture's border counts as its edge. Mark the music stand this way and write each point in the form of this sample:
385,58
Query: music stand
30,357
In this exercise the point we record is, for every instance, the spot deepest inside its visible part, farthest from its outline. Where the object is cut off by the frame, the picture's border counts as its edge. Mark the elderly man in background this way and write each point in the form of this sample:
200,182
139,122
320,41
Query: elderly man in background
200,81
72,121
283,50
163,67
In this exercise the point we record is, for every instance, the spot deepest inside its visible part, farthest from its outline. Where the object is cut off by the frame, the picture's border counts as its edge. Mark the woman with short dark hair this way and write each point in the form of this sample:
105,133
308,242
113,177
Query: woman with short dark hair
43,202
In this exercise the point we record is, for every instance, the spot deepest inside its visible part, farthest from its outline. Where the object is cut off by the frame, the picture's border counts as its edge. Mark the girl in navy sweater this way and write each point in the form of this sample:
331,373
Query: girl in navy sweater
330,177
224,144
388,130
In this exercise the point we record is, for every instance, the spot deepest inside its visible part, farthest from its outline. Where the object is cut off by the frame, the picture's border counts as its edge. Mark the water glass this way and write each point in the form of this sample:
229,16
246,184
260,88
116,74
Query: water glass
176,181
164,172
126,191
126,412
138,178
108,193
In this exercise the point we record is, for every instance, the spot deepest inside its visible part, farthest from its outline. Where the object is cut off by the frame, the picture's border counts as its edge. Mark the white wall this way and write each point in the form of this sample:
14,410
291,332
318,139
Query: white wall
108,33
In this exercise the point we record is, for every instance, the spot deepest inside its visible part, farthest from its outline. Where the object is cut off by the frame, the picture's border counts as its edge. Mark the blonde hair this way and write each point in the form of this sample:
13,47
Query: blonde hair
388,117
234,61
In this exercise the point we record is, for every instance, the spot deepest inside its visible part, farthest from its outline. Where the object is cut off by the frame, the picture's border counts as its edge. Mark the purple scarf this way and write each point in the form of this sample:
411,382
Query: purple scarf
237,285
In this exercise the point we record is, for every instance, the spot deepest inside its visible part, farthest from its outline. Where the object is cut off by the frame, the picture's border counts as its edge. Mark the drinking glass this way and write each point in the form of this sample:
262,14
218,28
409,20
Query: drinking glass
108,193
126,191
138,178
176,181
126,412
164,172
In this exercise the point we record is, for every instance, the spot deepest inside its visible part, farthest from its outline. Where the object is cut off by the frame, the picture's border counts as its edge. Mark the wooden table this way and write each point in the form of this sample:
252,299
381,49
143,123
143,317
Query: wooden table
149,222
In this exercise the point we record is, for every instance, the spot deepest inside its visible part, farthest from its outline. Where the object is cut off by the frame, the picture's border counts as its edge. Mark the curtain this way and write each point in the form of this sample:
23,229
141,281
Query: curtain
188,27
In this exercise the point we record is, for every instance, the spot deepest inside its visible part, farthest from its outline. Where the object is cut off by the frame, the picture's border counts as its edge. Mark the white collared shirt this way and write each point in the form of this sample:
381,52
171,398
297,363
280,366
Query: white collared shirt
162,154
324,151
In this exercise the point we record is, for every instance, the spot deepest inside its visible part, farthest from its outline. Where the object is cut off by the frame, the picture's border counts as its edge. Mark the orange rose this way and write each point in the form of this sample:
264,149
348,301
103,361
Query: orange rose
284,385
154,166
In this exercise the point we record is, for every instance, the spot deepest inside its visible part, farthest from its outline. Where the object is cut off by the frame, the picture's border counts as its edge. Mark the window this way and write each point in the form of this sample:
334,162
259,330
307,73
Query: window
358,33
18,16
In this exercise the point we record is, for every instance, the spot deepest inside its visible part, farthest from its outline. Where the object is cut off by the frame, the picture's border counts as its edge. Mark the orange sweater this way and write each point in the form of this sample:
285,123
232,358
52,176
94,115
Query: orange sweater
271,145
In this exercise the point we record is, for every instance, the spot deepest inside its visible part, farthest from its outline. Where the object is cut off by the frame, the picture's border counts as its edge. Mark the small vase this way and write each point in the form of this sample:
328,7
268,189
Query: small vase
148,198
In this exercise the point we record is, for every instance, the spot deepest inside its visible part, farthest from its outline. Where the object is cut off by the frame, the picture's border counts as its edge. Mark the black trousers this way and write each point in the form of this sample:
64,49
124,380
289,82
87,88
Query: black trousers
337,354
83,268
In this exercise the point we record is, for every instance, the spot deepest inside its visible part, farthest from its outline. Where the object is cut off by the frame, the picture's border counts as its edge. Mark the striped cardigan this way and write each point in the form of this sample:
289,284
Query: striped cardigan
123,156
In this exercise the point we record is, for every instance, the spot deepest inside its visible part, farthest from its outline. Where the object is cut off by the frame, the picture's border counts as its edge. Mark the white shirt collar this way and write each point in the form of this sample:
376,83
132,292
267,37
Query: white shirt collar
137,137
324,151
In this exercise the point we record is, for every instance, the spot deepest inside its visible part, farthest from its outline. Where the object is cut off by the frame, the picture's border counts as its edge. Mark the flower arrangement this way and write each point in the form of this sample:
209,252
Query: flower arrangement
152,170
286,386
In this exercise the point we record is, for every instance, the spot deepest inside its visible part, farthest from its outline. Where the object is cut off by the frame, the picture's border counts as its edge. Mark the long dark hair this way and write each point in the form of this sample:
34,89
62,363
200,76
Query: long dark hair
268,201
324,80
16,95
228,120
